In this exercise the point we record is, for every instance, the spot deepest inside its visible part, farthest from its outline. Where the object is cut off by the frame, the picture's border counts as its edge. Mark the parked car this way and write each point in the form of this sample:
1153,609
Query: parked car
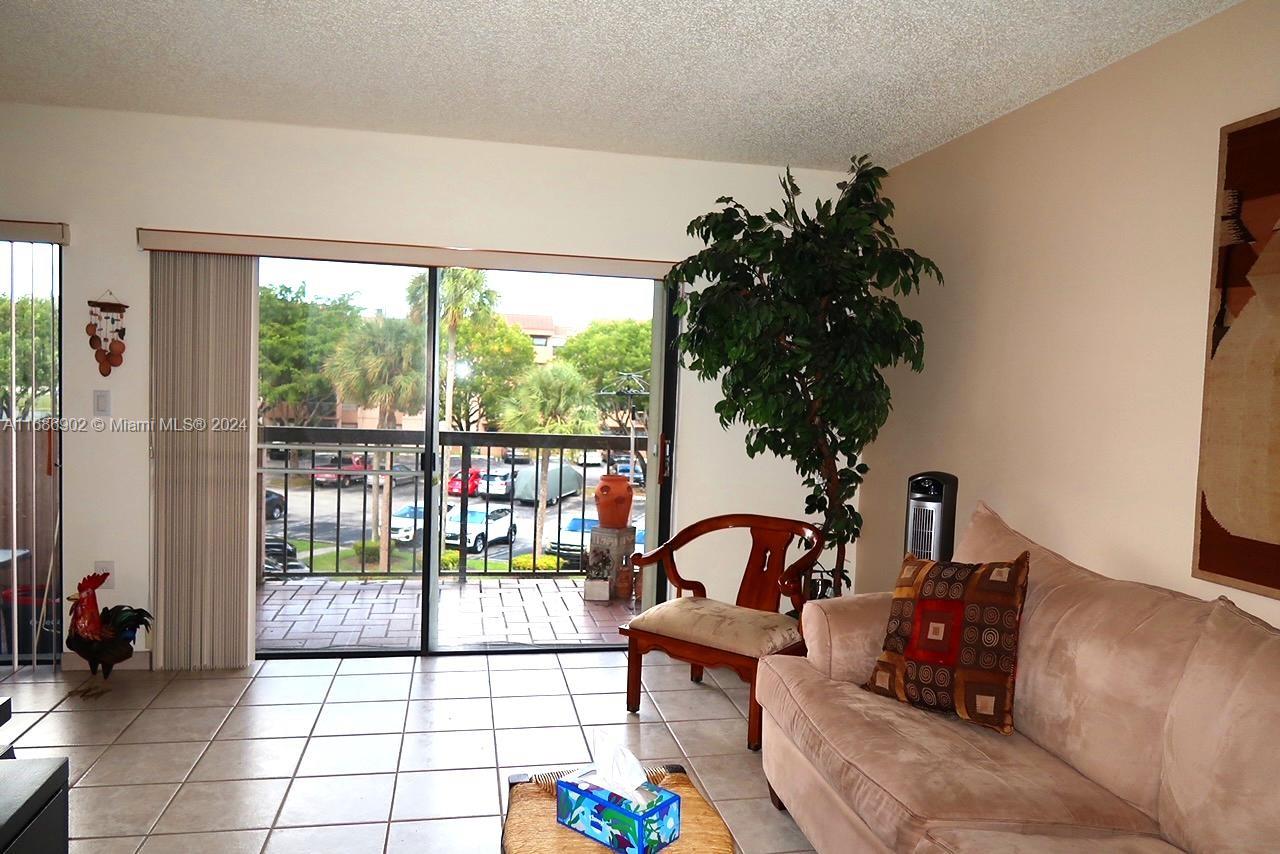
274,453
563,480
574,537
473,482
278,548
273,504
401,473
341,471
496,484
273,566
624,469
483,529
516,455
408,523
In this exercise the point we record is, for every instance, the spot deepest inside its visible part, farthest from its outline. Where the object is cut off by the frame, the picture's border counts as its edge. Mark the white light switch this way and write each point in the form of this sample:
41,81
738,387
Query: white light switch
101,403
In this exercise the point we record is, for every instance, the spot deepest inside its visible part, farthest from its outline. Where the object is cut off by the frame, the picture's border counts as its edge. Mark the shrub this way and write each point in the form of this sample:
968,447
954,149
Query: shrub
449,559
367,549
546,563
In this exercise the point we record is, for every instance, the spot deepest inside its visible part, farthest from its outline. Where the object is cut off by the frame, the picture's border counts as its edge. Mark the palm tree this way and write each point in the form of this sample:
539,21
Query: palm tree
551,398
380,364
463,294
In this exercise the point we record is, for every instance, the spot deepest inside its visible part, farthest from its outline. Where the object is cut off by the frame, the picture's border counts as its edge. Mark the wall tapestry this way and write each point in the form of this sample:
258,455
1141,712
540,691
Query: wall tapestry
1238,514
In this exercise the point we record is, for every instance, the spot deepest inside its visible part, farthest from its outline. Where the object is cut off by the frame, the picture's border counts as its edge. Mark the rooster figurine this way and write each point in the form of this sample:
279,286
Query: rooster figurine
102,638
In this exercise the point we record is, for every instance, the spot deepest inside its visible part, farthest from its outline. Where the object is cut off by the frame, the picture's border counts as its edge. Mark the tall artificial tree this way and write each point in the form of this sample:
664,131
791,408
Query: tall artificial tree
380,365
798,320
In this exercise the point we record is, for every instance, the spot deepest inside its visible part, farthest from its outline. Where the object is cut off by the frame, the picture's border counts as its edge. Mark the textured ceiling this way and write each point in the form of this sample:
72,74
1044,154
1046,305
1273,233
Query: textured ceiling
800,82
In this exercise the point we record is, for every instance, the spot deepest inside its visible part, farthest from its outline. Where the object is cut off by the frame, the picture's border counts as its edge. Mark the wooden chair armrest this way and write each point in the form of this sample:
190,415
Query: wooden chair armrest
665,554
793,582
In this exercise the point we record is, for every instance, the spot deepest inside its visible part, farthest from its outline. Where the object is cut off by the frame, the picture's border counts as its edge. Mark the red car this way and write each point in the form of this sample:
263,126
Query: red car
473,482
341,471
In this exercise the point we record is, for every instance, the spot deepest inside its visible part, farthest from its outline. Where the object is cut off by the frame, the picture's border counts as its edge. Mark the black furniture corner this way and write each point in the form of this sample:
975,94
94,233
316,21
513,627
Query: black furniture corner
33,806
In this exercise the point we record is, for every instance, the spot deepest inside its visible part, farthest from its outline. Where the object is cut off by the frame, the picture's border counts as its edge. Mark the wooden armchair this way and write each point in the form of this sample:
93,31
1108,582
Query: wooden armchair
707,633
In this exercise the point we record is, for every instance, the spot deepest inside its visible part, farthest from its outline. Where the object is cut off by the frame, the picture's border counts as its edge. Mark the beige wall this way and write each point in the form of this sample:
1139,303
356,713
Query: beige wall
1064,356
107,173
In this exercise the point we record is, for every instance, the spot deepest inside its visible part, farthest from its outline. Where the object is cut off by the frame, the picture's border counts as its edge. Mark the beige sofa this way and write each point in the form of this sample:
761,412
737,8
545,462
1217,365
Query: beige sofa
1147,721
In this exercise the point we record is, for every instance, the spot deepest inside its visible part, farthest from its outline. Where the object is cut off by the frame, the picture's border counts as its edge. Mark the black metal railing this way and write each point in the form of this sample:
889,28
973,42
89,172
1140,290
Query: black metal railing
360,502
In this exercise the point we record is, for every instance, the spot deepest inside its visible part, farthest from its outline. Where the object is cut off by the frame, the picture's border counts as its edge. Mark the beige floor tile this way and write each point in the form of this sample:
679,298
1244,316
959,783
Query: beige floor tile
524,661
441,751
672,677
504,774
225,805
541,745
270,721
200,693
377,664
350,754
79,759
117,810
758,828
112,845
249,759
597,680
57,729
705,704
710,738
741,697
449,684
220,842
144,763
17,724
527,683
726,678
341,839
481,835
246,672
286,690
439,715
511,712
361,718
612,709
378,686
344,800
731,776
446,794
646,741
597,658
128,695
34,696
174,725
450,663
46,674
300,667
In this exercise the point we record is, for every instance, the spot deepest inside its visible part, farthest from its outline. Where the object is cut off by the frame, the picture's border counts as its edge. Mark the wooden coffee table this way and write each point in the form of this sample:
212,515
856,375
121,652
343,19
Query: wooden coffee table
531,827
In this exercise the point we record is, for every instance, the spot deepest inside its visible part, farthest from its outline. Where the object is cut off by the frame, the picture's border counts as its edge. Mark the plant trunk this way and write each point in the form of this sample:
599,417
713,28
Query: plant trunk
381,521
450,365
544,479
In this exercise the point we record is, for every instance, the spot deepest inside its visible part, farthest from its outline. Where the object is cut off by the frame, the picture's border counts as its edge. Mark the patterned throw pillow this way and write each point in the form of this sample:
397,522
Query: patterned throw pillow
952,640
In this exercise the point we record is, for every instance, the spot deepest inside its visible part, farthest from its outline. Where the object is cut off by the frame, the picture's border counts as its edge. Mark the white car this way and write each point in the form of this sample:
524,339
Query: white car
496,484
574,537
408,523
482,528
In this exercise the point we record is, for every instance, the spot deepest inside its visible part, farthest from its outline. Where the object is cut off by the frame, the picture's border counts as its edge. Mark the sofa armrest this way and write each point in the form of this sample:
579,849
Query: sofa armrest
845,635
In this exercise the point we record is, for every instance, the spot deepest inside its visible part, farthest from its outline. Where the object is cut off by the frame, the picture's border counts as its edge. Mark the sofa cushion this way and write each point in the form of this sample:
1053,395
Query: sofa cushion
951,642
1098,660
903,770
1219,791
745,631
979,840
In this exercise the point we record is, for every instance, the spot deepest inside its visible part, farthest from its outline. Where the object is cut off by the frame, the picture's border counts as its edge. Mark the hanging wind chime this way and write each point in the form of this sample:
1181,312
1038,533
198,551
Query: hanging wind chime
106,331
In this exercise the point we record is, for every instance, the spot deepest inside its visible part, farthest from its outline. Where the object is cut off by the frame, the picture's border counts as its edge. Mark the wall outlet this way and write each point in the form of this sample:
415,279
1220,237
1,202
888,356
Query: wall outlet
101,403
106,566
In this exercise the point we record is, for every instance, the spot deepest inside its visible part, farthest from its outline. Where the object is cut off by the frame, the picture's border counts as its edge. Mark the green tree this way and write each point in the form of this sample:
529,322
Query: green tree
606,349
797,322
34,394
551,398
496,355
463,294
380,365
297,335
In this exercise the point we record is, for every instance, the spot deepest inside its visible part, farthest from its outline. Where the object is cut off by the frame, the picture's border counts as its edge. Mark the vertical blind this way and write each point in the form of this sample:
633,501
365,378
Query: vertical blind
203,364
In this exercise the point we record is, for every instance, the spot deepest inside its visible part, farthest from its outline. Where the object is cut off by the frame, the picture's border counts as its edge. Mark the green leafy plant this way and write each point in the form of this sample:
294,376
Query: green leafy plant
797,321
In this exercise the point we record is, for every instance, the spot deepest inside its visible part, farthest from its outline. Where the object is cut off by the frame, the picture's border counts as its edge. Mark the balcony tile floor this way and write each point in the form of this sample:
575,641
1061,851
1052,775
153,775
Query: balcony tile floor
339,614
388,755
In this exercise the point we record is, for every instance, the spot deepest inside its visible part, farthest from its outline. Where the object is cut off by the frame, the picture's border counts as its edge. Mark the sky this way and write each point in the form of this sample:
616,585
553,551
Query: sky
572,301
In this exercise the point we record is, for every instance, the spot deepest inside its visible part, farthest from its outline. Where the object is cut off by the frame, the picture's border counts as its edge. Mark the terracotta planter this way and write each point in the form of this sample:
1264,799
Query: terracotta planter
613,501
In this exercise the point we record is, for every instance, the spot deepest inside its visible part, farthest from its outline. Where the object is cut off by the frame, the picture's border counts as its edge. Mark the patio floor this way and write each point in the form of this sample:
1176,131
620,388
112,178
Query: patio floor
311,614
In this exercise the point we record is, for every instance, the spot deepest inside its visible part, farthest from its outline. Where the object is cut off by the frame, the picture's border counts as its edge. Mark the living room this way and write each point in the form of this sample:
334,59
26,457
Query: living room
1068,171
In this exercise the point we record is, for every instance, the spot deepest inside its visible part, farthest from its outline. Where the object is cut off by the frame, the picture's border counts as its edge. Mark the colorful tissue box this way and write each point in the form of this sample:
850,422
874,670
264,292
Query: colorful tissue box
615,822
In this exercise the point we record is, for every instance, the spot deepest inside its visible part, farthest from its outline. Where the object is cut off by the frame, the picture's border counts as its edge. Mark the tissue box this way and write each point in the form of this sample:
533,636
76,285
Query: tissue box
615,822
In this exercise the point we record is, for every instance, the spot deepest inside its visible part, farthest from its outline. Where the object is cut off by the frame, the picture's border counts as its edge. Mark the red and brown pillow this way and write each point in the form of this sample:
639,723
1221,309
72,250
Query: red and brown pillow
951,644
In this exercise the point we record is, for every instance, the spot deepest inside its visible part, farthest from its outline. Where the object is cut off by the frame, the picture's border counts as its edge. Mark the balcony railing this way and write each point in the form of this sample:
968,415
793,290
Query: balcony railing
360,503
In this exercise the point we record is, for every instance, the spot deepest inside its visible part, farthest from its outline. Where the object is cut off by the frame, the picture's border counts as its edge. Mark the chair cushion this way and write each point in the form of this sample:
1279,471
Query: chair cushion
951,644
981,840
903,770
720,625
1218,791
